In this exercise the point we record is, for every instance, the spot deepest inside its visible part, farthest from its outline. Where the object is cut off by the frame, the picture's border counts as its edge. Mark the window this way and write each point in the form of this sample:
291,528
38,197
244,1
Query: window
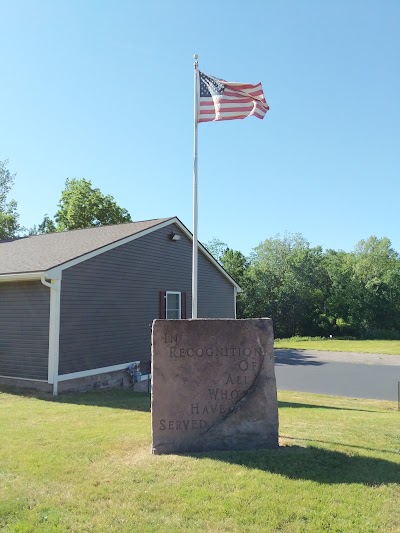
173,305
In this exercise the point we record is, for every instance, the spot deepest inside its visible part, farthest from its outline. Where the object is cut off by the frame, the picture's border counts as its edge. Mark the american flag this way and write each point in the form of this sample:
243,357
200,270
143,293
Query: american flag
226,100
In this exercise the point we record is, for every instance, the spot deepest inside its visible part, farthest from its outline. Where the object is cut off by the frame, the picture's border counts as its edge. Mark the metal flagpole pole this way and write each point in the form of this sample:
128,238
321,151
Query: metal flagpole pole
195,217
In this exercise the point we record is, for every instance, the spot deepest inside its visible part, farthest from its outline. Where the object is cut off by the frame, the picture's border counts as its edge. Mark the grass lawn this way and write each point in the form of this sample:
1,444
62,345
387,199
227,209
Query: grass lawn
83,463
338,345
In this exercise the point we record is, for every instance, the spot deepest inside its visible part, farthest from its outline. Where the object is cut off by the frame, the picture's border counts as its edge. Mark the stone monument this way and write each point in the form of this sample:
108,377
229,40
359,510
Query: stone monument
213,385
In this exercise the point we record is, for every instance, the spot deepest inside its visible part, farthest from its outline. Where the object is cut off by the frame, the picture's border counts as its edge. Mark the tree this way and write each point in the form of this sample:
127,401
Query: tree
9,225
82,206
337,313
376,282
235,263
46,226
216,248
283,282
364,289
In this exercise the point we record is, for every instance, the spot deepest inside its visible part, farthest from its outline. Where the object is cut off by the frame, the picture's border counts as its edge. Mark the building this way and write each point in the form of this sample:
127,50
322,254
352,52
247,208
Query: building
76,307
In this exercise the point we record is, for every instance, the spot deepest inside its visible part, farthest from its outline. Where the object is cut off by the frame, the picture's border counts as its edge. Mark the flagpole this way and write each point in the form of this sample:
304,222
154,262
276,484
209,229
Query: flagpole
195,216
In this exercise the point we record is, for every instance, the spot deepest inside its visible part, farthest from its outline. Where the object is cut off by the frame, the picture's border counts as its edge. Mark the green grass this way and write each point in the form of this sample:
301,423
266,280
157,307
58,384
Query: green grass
338,345
83,463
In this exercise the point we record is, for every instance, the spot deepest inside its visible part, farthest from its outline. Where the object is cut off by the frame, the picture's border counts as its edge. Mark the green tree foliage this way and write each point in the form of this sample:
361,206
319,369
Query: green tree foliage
236,264
9,225
337,313
310,292
363,297
284,282
82,206
376,285
216,248
46,226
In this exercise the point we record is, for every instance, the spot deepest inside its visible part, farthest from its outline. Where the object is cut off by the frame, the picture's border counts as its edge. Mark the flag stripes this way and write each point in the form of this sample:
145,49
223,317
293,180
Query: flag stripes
222,100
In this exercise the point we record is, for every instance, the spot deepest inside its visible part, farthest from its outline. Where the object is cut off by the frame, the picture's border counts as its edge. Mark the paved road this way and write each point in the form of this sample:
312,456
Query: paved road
338,373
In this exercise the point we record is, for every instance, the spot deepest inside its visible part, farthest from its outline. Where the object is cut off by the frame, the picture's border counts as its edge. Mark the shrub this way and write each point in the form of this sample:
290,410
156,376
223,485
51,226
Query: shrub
381,334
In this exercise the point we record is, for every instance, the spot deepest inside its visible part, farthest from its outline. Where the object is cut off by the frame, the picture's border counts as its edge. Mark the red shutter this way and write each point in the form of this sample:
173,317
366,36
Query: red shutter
183,304
163,304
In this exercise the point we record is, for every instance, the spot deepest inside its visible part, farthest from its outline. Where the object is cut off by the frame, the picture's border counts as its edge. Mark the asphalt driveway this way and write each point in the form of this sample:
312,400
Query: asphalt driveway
338,373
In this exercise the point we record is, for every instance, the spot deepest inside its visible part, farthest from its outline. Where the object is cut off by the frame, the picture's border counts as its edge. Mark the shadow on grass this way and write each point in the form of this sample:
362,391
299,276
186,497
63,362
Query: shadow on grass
313,464
338,444
311,406
135,401
115,399
295,357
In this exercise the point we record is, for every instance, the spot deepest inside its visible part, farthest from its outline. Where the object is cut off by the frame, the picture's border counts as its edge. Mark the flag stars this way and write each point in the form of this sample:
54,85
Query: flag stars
210,86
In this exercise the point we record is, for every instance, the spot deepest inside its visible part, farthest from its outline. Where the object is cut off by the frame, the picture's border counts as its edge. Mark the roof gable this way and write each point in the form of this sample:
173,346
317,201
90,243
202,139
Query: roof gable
49,254
40,253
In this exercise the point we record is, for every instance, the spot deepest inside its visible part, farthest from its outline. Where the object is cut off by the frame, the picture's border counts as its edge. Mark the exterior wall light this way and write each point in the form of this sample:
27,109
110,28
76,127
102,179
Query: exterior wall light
174,236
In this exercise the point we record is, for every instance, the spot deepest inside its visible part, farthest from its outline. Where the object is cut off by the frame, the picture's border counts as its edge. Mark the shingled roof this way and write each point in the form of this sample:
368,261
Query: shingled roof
40,253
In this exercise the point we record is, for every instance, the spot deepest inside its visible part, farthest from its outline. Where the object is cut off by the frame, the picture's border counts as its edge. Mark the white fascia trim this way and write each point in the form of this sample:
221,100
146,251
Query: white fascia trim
56,271
95,371
54,331
24,379
206,253
234,299
24,276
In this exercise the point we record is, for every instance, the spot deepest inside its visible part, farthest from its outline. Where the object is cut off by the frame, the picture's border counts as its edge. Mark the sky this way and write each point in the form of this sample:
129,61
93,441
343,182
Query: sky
103,90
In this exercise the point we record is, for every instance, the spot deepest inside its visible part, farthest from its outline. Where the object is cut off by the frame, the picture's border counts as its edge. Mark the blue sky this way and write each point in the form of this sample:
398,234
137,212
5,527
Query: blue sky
104,90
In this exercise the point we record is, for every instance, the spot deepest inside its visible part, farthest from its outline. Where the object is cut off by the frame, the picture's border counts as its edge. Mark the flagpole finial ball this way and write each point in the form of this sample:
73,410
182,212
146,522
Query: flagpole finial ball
195,57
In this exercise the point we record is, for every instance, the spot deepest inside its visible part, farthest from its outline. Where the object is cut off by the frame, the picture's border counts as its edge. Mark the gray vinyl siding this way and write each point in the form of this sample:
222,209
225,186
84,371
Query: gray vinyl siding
215,293
108,302
24,330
